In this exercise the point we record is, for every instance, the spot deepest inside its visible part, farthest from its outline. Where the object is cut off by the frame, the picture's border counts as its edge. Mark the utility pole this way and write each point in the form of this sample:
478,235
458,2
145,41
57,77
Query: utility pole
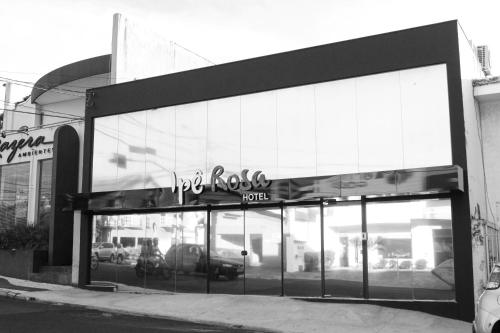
6,102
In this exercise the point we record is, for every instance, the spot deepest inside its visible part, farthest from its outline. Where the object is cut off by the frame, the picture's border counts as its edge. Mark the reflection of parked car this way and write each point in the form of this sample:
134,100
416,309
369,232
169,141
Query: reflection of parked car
312,260
487,310
188,258
107,251
405,264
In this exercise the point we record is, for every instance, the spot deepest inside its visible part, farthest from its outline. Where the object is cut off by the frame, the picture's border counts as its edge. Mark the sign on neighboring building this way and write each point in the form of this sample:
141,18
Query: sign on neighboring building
24,147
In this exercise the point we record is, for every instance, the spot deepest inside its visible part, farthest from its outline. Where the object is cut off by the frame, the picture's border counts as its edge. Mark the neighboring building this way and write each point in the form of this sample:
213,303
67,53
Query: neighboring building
487,96
41,149
33,131
373,149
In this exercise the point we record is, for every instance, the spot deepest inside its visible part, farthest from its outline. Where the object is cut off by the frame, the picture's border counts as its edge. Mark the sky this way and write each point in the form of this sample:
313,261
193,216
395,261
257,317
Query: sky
41,35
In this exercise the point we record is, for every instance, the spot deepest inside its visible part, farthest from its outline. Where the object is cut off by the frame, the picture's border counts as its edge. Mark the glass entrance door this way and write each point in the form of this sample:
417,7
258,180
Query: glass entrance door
245,256
263,245
227,260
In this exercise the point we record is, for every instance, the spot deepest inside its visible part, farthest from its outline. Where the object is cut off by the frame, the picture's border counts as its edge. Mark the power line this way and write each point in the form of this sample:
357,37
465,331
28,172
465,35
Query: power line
34,85
55,124
37,114
40,109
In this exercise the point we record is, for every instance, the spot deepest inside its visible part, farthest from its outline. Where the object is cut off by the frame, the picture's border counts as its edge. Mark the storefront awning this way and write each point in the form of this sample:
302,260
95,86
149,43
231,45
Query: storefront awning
442,179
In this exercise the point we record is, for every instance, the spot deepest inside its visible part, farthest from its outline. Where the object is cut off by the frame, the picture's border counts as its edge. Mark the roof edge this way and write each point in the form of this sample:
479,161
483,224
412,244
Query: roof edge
71,72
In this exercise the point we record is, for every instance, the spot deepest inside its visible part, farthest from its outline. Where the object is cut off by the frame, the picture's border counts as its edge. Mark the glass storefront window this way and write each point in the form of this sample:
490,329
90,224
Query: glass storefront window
302,251
14,188
189,253
410,249
163,251
343,250
44,191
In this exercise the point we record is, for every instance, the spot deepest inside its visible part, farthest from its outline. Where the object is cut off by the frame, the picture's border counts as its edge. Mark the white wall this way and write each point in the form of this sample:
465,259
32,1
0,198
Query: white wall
13,120
470,70
490,123
138,52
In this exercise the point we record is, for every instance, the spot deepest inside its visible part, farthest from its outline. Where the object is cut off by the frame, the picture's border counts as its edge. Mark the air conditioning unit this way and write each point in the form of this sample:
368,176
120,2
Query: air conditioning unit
483,55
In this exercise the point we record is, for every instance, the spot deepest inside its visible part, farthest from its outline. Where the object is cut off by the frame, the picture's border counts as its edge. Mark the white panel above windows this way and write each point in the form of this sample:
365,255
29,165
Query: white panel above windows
386,121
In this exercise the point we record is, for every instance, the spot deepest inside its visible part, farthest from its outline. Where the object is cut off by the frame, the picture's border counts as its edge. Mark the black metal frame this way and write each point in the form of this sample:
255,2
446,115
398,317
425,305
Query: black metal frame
417,47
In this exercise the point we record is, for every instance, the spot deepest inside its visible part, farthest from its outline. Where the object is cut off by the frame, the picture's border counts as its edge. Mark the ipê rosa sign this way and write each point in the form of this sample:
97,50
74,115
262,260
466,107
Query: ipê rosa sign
234,182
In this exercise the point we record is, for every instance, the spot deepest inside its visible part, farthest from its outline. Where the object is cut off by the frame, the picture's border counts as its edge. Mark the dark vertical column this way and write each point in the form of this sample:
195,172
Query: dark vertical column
322,223
85,248
460,201
282,253
86,221
364,237
209,208
64,180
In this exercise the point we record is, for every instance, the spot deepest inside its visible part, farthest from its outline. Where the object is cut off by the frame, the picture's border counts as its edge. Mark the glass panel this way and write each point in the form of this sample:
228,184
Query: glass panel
425,115
45,192
302,257
259,150
131,232
389,251
191,252
336,128
226,243
263,244
191,139
22,192
14,191
131,158
151,261
224,134
160,147
343,250
7,195
105,159
378,104
432,247
296,132
410,249
104,231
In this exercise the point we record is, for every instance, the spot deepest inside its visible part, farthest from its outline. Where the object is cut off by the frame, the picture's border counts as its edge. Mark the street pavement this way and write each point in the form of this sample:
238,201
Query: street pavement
279,314
18,316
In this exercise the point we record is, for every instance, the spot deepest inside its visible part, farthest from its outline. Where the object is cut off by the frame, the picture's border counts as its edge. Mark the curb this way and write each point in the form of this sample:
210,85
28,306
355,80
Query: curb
16,294
167,317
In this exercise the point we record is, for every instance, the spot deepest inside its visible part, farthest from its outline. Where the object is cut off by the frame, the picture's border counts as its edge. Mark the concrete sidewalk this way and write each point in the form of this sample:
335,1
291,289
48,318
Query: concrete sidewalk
259,312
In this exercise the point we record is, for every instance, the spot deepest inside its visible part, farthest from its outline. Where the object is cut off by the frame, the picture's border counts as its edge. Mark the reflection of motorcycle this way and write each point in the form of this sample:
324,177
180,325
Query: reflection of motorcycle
152,265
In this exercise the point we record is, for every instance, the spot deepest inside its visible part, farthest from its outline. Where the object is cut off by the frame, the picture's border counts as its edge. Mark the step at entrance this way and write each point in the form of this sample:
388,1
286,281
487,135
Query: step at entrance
102,287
